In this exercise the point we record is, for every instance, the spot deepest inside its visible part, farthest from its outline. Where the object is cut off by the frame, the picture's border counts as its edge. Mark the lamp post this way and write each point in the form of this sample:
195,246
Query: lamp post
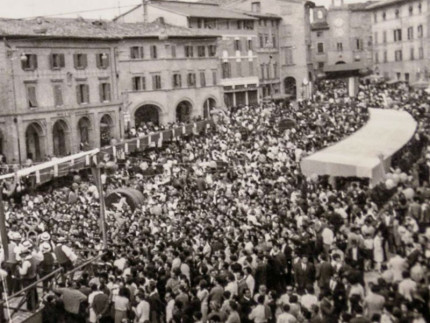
271,83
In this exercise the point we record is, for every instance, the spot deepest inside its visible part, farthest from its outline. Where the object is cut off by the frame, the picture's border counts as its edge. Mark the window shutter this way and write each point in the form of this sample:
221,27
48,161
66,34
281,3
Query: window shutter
108,93
98,60
78,94
62,60
132,52
101,92
31,92
87,93
133,84
143,80
51,61
84,61
106,61
75,61
142,53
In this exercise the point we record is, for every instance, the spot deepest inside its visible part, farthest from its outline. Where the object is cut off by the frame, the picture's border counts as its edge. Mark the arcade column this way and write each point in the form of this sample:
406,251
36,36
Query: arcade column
353,86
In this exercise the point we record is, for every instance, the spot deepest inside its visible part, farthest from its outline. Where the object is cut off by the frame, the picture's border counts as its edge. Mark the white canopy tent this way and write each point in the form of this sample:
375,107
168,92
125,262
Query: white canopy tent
362,153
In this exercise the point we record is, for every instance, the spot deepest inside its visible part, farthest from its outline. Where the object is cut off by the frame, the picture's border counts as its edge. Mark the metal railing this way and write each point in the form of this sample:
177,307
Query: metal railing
53,277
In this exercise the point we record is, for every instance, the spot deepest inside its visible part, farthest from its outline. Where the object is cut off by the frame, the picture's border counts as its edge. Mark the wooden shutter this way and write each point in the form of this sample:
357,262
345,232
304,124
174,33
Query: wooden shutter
51,61
143,83
31,93
101,94
78,94
98,60
84,61
106,61
75,61
33,61
87,93
132,55
62,60
58,95
108,93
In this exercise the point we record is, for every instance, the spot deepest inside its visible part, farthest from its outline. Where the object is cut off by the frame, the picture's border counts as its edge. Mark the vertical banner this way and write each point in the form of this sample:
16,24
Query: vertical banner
97,176
114,153
3,229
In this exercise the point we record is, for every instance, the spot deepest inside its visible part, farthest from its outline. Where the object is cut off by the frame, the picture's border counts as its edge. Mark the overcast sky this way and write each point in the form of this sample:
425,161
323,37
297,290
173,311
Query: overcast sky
72,8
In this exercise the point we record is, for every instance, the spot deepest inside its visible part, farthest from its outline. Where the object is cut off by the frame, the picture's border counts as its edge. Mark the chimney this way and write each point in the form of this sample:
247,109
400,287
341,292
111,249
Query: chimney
145,10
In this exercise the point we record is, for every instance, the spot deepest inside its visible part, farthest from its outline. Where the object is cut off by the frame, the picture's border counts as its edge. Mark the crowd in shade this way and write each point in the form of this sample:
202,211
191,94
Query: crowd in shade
231,231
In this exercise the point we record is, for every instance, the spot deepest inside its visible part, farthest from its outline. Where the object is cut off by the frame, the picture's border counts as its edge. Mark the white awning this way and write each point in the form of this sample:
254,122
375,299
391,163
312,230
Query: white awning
360,154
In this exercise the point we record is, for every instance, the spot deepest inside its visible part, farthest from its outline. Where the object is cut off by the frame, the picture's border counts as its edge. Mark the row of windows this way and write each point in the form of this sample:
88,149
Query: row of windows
226,69
265,41
358,46
398,35
57,61
398,55
411,11
82,93
138,52
210,23
265,71
139,82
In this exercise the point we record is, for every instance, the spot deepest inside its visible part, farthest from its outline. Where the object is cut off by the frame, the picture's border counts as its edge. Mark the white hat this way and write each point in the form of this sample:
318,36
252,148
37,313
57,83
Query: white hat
45,247
16,236
27,244
45,236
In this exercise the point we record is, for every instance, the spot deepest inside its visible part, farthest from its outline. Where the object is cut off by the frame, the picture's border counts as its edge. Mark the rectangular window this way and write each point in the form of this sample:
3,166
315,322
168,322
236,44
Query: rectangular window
261,37
202,78
29,62
31,95
210,23
269,75
375,17
58,95
102,60
191,79
256,6
239,24
251,67
410,33
214,77
212,50
199,23
358,44
156,81
136,52
80,61
384,37
397,12
56,61
237,45
376,57
173,49
398,55
375,36
420,31
226,70
105,92
249,44
266,40
320,66
421,53
275,42
397,35
407,77
189,51
385,56
262,72
339,47
177,80
83,93
412,54
138,83
154,53
239,68
275,70
320,47
201,51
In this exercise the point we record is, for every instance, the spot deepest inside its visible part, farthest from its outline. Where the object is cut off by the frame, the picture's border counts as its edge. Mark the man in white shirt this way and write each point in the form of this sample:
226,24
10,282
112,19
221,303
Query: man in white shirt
169,307
142,309
309,298
286,317
397,264
407,286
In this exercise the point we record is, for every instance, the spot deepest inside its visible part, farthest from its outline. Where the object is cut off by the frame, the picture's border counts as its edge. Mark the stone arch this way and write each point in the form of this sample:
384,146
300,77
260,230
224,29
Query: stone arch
184,110
60,138
106,130
35,142
147,112
208,105
290,87
85,133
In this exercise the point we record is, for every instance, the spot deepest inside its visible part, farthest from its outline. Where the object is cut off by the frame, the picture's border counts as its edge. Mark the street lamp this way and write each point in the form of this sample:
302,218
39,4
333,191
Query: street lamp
271,83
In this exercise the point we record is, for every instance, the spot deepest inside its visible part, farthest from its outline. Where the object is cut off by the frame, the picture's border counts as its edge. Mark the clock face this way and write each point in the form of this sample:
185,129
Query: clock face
338,22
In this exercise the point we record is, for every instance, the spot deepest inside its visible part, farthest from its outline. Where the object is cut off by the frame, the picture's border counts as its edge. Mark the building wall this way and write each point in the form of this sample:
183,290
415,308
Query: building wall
294,39
348,38
416,68
166,65
18,115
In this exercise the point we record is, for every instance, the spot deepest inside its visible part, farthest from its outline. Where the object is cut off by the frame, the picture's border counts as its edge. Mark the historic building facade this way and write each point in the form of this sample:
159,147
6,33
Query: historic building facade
341,35
400,32
236,48
71,84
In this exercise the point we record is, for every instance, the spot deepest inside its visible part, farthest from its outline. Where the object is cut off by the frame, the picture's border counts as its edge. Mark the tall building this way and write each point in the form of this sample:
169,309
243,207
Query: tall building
341,34
295,58
401,39
69,84
236,48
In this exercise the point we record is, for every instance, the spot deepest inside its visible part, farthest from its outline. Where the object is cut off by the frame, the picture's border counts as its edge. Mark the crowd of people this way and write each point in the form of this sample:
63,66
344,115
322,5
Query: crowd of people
233,232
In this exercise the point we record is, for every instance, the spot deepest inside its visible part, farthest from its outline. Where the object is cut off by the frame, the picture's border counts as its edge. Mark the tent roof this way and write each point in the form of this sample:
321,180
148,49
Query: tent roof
360,154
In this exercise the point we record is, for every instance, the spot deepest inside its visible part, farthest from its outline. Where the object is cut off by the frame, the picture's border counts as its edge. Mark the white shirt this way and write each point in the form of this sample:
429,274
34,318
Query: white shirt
169,310
286,318
142,311
327,236
308,300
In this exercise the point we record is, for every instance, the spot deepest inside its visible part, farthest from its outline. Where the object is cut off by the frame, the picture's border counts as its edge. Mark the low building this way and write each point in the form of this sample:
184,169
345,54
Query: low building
400,32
